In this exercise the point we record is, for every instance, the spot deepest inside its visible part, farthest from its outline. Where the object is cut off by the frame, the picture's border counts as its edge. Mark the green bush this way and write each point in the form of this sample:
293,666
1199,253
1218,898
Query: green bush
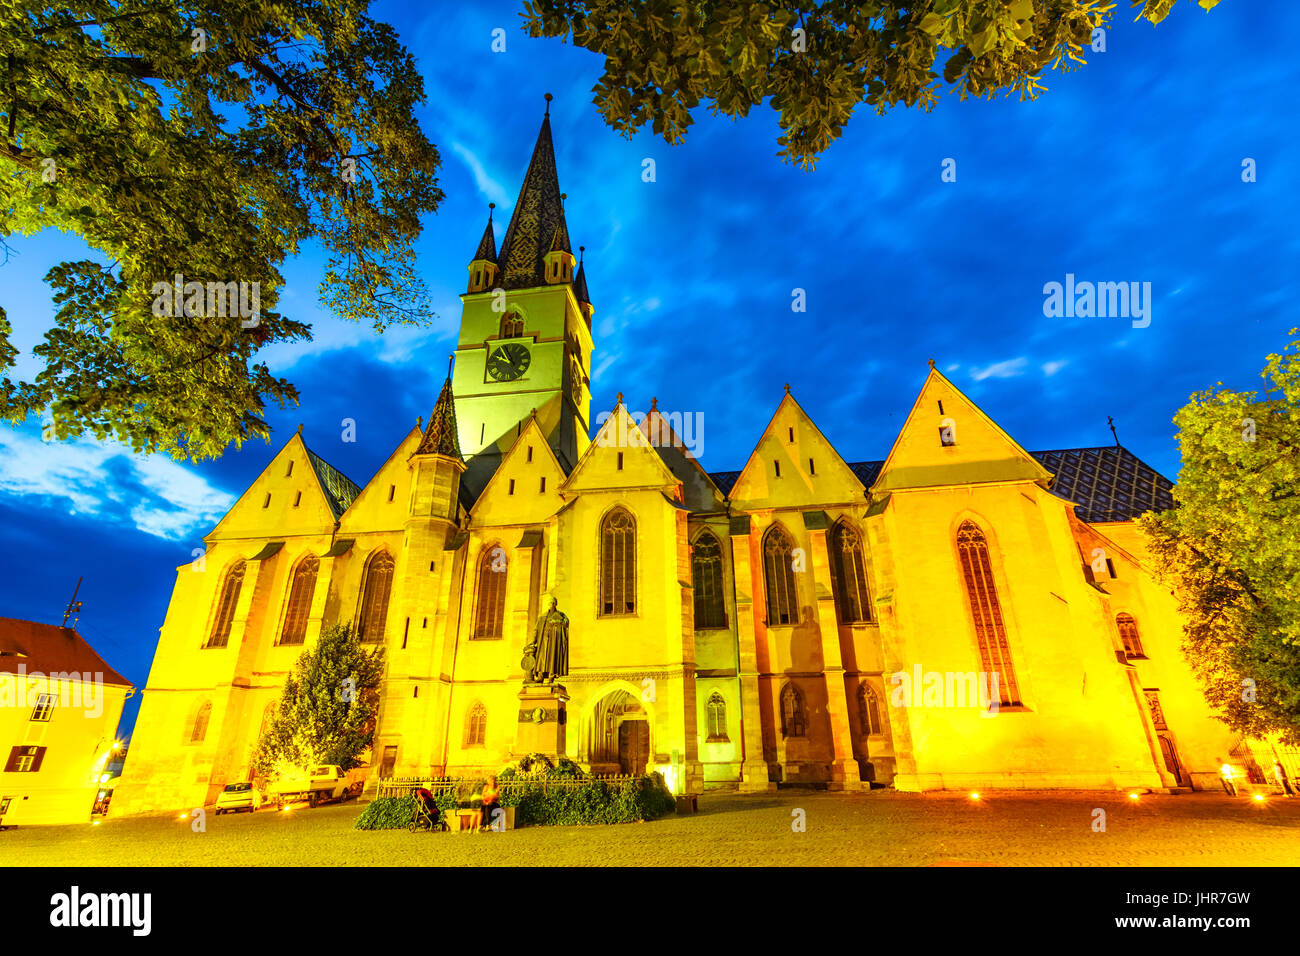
387,813
643,798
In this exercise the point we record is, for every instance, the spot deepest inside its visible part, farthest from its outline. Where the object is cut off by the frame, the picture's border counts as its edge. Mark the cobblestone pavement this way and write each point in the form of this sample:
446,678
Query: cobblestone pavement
875,829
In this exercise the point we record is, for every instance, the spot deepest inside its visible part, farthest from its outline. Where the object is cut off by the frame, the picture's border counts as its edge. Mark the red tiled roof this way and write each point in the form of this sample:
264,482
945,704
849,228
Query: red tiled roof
50,649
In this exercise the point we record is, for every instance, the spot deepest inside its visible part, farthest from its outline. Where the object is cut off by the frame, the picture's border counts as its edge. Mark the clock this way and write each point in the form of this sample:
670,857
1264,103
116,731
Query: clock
508,362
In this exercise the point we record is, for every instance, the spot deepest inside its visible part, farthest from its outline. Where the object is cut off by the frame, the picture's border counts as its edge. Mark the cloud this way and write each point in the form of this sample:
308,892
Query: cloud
1051,368
486,184
109,482
1008,369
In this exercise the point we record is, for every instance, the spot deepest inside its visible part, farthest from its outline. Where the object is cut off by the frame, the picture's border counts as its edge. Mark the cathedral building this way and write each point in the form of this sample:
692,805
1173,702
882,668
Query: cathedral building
963,614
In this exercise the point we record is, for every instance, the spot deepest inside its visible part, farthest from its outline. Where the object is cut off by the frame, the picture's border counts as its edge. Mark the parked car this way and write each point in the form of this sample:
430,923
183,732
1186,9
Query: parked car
239,796
316,786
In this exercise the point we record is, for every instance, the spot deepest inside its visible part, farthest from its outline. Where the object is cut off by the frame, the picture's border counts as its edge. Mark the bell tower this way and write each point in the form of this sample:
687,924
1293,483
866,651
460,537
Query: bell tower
525,333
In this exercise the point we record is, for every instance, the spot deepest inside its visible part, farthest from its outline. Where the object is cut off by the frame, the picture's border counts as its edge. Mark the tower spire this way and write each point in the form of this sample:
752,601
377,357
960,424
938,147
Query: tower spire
537,221
440,436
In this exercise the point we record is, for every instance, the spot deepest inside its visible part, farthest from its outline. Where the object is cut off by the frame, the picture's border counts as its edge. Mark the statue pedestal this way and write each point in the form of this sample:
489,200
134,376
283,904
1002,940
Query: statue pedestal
542,720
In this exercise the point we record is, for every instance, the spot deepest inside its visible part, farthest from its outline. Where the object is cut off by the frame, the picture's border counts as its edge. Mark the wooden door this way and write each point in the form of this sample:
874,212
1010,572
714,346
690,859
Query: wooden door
1171,759
633,745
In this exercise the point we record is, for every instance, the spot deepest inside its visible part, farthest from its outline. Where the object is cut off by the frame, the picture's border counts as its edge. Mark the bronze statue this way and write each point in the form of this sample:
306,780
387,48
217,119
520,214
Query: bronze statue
546,656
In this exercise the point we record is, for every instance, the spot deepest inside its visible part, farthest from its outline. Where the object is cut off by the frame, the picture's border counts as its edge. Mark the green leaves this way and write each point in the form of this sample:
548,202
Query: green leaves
1229,549
663,57
158,183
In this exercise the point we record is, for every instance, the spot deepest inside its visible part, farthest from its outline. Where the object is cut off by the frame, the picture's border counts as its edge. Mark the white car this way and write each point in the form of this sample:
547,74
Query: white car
239,796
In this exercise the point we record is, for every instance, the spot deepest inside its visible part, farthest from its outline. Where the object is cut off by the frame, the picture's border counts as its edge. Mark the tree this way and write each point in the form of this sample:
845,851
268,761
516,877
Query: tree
327,712
816,61
1230,547
206,141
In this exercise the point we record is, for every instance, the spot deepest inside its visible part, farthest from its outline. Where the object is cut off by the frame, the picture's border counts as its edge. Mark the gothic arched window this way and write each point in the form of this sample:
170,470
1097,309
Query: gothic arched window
778,573
512,325
199,729
792,720
300,595
375,588
1128,632
706,576
717,717
869,710
226,602
990,630
849,575
491,608
476,725
618,563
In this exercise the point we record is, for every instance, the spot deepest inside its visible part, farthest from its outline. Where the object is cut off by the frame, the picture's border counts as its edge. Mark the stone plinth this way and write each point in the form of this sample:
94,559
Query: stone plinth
543,717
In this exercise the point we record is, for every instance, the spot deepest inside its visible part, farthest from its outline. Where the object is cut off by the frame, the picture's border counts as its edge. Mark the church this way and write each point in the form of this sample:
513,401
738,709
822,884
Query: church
962,614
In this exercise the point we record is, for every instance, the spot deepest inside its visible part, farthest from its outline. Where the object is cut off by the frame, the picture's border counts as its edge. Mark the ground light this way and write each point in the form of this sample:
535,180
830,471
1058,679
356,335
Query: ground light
974,796
184,816
1259,797
1132,796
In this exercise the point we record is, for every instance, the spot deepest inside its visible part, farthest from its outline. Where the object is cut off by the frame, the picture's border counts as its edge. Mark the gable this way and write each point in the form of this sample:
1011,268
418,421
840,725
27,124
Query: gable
981,451
384,503
515,493
620,456
793,465
699,492
287,498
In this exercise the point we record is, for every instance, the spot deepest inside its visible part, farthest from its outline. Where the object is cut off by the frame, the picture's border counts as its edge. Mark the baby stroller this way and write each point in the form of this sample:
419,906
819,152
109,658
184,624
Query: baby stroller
426,815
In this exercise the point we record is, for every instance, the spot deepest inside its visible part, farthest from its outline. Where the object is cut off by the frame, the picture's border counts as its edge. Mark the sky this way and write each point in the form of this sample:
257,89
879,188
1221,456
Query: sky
1127,170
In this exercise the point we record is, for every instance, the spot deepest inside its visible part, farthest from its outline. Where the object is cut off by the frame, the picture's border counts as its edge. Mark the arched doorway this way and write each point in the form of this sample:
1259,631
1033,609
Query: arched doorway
1172,763
618,734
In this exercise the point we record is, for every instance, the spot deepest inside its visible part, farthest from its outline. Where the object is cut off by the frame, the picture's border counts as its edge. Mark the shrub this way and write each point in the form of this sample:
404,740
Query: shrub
387,813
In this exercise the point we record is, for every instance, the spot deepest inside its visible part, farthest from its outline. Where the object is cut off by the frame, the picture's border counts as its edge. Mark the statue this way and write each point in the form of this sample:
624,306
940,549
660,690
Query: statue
546,656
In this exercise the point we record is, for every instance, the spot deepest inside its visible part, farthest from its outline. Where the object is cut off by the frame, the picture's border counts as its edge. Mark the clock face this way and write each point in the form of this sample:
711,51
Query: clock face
508,362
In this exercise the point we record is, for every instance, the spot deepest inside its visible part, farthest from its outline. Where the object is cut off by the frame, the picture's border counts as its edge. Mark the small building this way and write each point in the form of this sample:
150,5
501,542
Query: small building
60,705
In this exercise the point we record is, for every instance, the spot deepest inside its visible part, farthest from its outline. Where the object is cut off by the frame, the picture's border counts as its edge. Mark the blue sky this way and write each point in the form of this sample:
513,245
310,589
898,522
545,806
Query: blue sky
1127,170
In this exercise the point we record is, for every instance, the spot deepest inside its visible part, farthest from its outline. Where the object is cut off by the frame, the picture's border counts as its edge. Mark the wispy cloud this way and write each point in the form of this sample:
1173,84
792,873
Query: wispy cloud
109,482
1008,369
487,185
1051,368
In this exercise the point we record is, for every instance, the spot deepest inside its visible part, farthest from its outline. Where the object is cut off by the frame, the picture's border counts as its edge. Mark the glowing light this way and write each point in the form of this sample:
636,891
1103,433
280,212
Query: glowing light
105,777
117,745
974,796
1132,796
94,823
1259,797
185,816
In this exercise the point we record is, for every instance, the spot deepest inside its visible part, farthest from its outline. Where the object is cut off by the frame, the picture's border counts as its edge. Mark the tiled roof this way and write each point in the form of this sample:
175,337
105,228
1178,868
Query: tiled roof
340,490
440,436
49,649
487,246
1107,484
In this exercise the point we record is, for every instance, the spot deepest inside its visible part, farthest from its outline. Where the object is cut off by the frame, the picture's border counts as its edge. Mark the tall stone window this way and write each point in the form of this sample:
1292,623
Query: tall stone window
376,586
990,629
706,577
1128,632
778,573
226,602
618,563
869,710
792,713
491,609
512,325
849,575
716,710
476,725
199,728
300,595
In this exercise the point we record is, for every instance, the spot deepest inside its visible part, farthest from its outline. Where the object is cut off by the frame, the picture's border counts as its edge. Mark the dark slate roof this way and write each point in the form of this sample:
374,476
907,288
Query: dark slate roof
580,285
440,436
50,649
487,246
534,222
1107,484
340,490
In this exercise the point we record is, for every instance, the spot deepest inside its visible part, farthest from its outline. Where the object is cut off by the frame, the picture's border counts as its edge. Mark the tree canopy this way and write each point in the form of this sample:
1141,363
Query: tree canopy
814,62
1231,548
199,144
328,710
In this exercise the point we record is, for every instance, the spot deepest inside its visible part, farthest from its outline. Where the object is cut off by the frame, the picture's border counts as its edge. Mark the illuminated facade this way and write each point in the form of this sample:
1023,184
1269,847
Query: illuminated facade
729,629
59,709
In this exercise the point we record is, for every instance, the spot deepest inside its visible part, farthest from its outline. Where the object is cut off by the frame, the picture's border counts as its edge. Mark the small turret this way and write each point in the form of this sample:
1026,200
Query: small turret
559,262
483,267
437,461
580,289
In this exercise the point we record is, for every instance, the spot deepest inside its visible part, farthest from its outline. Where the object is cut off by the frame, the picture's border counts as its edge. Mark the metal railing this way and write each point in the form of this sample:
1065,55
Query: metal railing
440,786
